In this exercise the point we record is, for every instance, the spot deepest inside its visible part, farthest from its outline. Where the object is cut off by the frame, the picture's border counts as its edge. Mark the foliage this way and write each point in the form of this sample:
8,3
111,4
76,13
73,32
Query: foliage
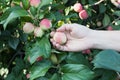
19,52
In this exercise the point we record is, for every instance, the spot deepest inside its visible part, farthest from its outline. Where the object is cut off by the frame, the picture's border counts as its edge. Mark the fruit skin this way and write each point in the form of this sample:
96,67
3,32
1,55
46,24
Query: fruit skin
28,27
83,14
28,76
88,51
60,38
39,58
35,3
38,32
77,7
45,24
118,1
54,59
99,24
109,28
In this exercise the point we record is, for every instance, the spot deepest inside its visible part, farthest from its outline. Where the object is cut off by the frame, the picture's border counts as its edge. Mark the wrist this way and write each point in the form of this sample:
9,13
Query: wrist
95,38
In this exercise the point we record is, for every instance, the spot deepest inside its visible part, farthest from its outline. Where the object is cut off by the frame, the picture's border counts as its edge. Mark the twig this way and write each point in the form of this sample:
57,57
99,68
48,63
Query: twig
100,1
115,3
118,74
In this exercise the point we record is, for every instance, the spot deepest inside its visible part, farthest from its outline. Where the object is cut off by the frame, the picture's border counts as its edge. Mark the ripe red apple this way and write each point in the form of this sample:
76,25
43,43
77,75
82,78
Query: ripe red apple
45,24
35,3
39,58
78,7
83,14
38,32
109,28
60,37
28,76
88,51
118,1
28,27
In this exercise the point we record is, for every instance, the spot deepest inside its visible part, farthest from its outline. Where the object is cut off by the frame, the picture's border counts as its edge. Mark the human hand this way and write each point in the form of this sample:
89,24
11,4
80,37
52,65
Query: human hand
77,37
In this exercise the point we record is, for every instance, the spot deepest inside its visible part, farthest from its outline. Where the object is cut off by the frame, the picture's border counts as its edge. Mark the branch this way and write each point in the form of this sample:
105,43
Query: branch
114,2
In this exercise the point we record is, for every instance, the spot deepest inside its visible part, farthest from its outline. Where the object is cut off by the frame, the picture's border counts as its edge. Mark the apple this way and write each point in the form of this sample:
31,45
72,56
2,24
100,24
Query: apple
28,27
77,7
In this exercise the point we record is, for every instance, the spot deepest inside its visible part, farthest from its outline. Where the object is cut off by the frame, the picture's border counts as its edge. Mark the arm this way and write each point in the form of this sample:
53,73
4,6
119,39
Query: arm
105,39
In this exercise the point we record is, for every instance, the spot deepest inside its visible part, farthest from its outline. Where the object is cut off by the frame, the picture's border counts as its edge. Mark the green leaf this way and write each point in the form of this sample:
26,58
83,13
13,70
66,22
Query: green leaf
76,72
107,59
39,69
102,8
40,48
15,14
13,42
55,77
106,20
25,4
117,13
76,58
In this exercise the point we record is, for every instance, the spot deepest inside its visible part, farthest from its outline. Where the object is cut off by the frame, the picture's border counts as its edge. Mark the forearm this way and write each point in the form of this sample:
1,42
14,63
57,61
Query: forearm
105,39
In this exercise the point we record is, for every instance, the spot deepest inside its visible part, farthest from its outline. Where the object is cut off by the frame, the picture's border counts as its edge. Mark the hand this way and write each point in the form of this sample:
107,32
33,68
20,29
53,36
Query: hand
77,37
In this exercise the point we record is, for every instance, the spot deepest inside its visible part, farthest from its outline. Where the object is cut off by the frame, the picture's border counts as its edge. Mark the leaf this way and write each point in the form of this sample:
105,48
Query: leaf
55,77
13,42
117,13
102,8
107,59
44,3
106,20
76,58
105,74
76,72
15,14
40,48
39,69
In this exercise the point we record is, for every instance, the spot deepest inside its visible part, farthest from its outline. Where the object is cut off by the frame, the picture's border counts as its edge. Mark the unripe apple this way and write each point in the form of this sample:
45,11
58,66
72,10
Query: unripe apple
54,59
35,3
118,1
78,7
28,76
99,23
28,27
83,14
39,58
45,24
109,28
38,32
60,38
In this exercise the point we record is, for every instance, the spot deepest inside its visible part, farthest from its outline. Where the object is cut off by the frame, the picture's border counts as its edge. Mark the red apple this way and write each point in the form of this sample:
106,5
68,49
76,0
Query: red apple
60,37
28,27
109,28
83,14
45,24
35,3
38,32
78,7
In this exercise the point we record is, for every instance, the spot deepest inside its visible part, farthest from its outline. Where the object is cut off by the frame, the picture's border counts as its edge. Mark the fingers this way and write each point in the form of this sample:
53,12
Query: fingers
58,46
65,27
52,33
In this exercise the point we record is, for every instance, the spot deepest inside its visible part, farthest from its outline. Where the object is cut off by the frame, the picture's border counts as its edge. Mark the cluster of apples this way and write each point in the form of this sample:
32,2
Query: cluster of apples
44,25
82,12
